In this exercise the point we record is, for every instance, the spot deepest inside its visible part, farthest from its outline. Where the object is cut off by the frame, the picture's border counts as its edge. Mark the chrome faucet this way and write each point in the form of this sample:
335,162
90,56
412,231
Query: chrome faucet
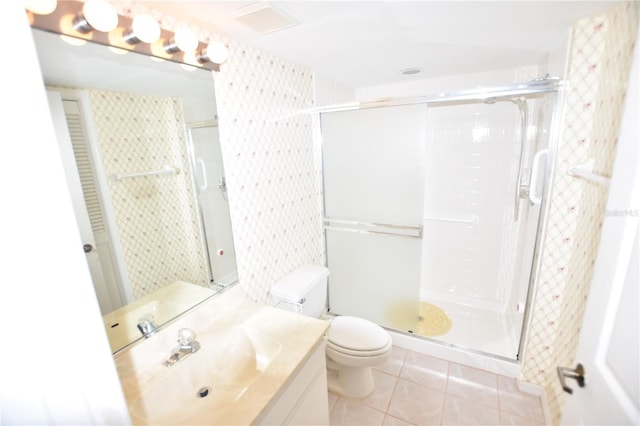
187,344
147,326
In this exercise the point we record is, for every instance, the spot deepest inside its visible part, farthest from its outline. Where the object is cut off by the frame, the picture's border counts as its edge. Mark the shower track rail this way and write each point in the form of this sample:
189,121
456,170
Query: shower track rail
360,227
527,89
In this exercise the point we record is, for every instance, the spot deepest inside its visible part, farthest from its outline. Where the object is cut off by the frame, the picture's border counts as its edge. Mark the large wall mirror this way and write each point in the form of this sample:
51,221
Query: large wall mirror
139,140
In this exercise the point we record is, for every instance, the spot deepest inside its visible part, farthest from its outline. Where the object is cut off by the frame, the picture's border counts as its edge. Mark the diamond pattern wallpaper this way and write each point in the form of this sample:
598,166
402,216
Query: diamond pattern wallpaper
156,216
598,74
267,143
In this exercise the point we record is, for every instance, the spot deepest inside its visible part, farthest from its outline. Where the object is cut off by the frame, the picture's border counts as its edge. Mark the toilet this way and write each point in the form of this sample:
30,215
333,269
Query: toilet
354,345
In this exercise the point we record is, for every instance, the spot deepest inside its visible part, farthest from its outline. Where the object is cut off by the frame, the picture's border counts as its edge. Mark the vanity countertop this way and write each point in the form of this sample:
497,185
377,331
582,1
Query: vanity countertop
141,366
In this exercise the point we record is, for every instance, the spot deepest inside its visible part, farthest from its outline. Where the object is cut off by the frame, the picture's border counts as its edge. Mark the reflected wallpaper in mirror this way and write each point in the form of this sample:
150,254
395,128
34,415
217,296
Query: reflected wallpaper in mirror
139,141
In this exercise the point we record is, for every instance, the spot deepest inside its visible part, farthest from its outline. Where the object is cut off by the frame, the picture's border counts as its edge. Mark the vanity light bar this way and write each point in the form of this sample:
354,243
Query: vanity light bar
61,21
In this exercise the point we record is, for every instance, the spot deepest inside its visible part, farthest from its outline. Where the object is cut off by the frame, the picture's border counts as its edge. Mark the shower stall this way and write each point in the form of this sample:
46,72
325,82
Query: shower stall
433,211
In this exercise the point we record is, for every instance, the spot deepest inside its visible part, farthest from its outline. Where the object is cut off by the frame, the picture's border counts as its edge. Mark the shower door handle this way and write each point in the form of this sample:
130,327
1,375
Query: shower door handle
535,196
203,171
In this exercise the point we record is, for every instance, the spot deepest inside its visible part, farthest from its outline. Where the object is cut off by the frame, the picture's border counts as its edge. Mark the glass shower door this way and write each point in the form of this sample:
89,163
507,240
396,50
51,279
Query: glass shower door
373,163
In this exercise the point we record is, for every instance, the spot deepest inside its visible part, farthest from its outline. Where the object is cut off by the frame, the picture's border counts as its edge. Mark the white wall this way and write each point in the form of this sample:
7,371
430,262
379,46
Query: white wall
56,364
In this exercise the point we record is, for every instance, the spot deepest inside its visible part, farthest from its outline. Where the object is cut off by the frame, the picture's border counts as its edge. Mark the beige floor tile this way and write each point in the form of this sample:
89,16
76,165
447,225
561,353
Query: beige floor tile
521,404
346,412
508,419
381,395
394,363
476,385
425,370
416,404
392,421
460,411
332,400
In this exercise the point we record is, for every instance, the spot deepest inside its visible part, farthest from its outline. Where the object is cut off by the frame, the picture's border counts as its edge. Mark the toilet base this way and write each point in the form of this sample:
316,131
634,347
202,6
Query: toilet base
350,382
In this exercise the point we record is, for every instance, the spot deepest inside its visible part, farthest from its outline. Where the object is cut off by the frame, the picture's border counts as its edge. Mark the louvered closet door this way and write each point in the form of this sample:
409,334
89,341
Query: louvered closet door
75,153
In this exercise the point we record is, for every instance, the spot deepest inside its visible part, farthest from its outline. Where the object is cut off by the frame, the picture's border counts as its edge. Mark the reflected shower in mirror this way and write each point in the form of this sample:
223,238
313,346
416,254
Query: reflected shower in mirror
139,141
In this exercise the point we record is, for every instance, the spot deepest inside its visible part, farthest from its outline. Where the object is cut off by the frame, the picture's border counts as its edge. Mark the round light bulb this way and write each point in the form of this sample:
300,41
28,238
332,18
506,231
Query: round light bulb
73,41
100,15
217,52
185,39
145,28
40,7
190,58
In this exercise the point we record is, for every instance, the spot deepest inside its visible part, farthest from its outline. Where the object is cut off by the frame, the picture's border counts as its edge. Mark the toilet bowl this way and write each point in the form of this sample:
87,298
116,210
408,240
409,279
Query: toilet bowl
354,345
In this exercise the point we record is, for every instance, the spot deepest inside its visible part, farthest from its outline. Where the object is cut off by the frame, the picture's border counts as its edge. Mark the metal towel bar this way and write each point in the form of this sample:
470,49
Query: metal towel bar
378,228
165,170
472,220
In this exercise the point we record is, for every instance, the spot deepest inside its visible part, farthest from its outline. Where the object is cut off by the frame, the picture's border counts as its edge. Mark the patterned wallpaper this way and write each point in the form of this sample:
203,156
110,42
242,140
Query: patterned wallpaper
156,215
272,171
598,71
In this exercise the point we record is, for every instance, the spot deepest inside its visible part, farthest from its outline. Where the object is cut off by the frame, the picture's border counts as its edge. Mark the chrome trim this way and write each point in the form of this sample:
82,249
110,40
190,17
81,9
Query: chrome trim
554,144
365,231
360,227
372,224
551,84
472,220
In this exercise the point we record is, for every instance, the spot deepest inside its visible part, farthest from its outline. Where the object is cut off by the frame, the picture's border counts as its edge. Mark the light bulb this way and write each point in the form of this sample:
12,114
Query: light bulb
40,7
100,15
215,52
73,41
186,40
143,29
190,58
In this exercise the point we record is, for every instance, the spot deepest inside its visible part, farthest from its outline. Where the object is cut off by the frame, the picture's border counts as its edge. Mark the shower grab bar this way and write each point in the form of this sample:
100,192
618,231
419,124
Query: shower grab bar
534,197
164,171
472,220
328,222
370,232
585,171
205,178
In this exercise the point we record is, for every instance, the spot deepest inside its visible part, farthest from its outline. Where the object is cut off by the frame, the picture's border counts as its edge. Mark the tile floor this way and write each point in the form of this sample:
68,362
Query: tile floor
417,389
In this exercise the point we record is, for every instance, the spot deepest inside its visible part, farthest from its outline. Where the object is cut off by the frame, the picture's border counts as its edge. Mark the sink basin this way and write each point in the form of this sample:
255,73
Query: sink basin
201,387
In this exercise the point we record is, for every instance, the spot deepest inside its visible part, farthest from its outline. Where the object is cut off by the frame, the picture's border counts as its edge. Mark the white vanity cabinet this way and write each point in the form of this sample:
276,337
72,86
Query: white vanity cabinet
304,400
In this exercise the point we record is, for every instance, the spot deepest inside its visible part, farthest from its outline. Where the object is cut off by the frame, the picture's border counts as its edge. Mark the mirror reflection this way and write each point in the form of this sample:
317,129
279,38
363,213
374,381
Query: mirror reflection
139,141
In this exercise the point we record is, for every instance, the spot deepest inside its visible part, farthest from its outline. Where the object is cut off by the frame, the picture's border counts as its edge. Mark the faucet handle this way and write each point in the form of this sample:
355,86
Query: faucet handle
186,336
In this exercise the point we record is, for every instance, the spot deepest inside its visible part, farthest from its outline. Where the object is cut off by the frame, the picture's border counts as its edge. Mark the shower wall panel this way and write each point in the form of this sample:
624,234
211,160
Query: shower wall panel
470,232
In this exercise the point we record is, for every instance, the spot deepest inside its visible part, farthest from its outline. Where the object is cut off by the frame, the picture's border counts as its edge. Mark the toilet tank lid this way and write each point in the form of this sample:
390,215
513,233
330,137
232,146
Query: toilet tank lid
296,284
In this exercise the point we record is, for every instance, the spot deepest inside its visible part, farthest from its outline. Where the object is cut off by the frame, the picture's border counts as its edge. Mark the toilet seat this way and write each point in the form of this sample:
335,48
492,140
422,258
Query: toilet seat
355,353
357,337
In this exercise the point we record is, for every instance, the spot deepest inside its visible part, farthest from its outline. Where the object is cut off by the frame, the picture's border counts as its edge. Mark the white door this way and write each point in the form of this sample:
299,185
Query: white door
609,341
105,287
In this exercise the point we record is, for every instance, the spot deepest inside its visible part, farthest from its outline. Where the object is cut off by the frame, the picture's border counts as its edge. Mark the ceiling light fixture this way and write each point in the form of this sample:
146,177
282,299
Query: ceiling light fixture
143,29
215,52
184,39
98,21
96,15
40,7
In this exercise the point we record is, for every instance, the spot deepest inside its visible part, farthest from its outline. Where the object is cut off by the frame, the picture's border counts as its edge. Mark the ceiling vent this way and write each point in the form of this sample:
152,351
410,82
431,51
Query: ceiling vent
264,18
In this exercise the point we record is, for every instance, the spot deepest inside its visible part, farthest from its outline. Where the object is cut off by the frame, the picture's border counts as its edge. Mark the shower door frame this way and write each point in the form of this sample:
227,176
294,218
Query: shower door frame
541,86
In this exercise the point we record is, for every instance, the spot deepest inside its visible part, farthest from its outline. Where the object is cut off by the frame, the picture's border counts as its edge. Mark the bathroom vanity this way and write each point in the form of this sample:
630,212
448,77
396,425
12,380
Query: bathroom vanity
256,365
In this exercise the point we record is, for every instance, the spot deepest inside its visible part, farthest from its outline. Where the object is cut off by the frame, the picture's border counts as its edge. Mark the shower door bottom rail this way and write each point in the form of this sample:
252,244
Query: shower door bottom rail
372,228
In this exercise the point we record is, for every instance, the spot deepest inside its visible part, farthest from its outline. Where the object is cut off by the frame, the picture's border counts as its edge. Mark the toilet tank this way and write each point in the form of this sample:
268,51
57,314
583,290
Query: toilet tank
303,290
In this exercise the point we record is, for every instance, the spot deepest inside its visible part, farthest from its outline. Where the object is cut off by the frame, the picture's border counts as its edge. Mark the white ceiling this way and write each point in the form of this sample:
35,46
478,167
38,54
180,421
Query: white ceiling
365,43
